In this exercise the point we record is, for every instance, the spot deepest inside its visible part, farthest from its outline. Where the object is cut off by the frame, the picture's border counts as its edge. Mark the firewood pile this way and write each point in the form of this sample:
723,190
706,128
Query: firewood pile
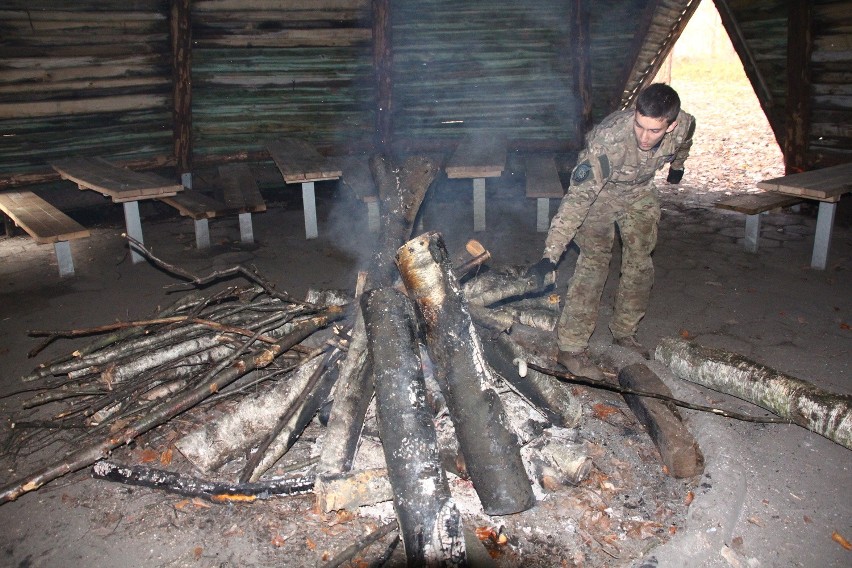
420,361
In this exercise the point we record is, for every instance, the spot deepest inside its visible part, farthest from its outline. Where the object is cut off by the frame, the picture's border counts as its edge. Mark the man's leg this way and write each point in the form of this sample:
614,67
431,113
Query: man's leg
578,319
638,228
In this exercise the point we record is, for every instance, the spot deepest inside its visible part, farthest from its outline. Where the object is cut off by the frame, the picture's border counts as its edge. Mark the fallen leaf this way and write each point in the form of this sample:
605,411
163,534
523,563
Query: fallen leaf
838,538
754,521
690,496
166,457
684,333
181,504
149,455
278,541
602,411
672,530
807,519
197,551
844,325
310,544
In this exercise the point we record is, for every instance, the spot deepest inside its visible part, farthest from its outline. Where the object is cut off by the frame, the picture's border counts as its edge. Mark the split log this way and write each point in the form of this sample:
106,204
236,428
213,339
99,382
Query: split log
216,491
90,453
245,426
495,286
352,395
430,522
826,413
351,490
678,448
491,450
292,422
542,391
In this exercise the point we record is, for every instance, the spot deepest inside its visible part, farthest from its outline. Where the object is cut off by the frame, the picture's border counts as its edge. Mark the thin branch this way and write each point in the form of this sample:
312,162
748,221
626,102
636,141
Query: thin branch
576,379
350,551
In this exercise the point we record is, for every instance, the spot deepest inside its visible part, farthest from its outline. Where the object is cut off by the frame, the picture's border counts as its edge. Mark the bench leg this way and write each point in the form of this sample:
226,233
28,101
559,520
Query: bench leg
134,227
822,239
246,230
542,220
373,216
309,203
202,233
63,258
752,232
478,204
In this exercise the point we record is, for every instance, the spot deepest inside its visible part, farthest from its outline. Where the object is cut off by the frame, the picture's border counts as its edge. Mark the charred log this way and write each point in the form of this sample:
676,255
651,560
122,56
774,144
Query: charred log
429,520
491,450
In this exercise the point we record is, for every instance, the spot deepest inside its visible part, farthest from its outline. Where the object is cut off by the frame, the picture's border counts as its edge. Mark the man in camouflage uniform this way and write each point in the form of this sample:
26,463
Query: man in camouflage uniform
612,184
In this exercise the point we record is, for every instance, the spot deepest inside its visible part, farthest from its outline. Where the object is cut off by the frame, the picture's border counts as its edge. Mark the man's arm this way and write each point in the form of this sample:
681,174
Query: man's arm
677,166
587,179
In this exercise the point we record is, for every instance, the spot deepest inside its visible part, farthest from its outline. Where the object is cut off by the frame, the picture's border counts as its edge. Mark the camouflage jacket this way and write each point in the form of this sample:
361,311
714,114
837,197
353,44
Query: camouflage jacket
612,167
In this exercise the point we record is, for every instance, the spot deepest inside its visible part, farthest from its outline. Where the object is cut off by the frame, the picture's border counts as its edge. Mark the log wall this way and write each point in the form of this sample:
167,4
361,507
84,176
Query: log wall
84,77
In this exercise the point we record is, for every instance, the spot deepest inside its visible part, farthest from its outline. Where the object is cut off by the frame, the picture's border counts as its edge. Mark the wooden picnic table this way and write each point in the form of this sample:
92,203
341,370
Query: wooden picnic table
299,162
477,158
825,185
121,185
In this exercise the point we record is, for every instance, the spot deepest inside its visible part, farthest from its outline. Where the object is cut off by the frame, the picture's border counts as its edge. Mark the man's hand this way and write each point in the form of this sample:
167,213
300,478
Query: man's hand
674,176
542,272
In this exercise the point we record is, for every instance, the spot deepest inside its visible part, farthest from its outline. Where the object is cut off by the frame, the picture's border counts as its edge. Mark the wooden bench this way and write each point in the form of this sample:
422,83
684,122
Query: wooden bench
825,185
477,158
753,205
542,184
45,224
299,162
121,185
358,177
238,193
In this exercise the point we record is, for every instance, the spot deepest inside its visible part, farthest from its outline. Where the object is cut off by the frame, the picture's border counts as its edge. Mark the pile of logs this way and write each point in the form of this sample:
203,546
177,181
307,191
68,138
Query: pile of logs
409,340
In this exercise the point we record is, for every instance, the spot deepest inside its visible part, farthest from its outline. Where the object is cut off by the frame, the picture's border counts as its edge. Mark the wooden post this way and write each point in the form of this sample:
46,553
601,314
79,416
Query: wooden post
797,115
181,35
580,47
383,63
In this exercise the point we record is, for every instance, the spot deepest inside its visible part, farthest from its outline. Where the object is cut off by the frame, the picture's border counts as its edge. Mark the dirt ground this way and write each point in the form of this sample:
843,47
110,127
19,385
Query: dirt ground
770,495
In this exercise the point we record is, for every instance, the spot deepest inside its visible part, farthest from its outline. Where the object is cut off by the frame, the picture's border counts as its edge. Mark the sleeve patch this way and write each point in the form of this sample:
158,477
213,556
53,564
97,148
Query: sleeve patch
581,172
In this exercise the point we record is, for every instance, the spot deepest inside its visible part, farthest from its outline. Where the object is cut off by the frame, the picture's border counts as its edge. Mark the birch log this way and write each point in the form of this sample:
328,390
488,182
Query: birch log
826,413
230,435
429,520
491,450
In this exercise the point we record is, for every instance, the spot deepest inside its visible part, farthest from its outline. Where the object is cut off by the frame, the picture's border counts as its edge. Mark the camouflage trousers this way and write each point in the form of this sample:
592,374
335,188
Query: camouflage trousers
637,225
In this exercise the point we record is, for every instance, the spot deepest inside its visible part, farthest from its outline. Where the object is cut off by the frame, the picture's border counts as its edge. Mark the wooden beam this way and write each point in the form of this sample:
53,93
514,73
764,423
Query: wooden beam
797,111
383,64
616,100
181,35
581,48
755,77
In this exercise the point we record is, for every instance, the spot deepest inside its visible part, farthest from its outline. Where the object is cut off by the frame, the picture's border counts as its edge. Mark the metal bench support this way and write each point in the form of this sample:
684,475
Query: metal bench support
246,230
310,205
542,220
134,227
822,239
373,216
478,204
202,233
752,232
63,258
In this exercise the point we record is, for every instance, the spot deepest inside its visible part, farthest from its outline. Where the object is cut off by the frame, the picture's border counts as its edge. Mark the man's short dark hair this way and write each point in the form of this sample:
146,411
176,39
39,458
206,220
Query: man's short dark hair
658,101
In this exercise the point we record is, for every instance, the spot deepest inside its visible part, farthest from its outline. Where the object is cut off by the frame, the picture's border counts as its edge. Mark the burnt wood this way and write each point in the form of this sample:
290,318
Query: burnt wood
678,448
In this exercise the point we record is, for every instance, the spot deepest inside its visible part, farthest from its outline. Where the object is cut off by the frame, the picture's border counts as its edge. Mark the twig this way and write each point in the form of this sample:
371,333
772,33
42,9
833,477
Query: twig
350,551
577,379
251,275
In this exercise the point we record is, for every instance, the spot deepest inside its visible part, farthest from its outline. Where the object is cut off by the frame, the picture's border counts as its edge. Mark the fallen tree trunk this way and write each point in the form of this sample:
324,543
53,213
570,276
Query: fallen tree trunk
219,378
215,491
826,413
491,450
429,520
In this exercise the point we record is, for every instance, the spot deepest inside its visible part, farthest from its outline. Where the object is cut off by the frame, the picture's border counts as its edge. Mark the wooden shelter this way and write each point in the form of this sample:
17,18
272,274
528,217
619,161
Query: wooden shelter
185,84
